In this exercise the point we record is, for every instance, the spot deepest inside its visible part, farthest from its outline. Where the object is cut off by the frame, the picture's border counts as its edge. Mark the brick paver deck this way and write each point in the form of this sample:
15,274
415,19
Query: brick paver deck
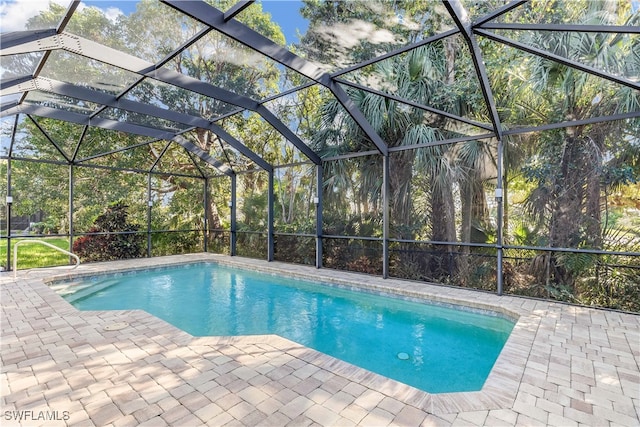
562,365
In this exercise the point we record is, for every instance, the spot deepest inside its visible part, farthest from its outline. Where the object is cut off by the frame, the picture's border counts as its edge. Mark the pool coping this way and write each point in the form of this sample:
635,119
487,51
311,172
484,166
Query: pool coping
499,390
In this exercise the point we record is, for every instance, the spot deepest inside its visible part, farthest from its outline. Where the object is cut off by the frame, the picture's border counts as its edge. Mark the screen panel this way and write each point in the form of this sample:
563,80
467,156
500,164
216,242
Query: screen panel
352,198
114,187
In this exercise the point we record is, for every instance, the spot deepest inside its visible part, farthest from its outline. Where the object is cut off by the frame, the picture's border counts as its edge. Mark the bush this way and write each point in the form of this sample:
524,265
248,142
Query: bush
112,245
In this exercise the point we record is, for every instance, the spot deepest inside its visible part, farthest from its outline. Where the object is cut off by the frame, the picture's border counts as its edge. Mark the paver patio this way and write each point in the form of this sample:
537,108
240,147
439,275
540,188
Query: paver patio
563,365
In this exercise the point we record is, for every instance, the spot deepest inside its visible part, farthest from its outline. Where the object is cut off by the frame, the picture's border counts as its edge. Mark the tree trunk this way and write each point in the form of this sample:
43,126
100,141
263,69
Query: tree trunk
565,224
443,227
593,206
576,215
401,204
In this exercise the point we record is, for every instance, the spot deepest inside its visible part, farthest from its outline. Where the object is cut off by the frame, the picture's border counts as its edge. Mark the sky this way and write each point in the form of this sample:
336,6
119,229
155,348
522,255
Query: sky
285,13
15,13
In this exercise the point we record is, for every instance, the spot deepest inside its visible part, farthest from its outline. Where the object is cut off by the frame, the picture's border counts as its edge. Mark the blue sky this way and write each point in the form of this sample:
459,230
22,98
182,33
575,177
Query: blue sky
14,13
284,12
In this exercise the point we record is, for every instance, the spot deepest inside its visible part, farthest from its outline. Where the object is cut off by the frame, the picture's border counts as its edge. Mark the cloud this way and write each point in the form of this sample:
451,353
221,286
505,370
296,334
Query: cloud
15,14
342,37
111,13
350,34
234,54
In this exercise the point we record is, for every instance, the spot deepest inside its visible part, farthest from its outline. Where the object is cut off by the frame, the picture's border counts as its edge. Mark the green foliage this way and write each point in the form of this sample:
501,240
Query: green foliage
48,226
561,293
614,280
295,249
41,187
605,284
601,280
152,31
577,263
525,235
365,29
612,286
174,243
180,210
352,255
119,238
219,242
252,245
619,176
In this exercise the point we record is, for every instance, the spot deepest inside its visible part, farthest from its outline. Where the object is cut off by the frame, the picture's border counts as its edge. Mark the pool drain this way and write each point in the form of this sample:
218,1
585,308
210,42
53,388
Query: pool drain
403,356
116,326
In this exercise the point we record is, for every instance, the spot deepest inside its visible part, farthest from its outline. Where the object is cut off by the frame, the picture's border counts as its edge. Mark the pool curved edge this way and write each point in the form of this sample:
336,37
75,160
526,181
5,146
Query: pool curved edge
499,390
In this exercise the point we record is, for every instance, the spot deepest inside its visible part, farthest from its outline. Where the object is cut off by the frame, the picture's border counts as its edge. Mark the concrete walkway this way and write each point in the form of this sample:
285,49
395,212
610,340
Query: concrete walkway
562,365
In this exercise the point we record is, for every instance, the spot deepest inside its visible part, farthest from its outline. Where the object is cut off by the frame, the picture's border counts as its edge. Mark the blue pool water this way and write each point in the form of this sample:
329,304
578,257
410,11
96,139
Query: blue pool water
431,347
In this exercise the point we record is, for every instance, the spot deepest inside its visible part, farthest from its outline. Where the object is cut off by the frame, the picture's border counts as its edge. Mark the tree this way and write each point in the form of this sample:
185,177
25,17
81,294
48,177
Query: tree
575,167
151,31
430,75
343,33
217,60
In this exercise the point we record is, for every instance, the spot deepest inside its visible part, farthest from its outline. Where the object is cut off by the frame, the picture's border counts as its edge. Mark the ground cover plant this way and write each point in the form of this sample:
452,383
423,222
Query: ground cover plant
35,255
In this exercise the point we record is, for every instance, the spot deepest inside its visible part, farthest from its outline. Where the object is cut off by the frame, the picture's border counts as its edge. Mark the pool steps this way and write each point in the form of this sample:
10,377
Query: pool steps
74,291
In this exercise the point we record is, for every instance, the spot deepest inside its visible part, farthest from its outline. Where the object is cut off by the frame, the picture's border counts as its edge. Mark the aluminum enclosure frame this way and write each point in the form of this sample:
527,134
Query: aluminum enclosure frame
223,21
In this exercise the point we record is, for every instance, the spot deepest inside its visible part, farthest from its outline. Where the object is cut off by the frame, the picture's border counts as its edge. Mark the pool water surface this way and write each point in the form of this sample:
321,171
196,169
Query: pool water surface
434,348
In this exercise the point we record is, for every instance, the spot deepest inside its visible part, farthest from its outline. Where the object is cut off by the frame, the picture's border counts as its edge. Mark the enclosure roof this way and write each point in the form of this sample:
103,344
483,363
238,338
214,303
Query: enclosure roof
133,75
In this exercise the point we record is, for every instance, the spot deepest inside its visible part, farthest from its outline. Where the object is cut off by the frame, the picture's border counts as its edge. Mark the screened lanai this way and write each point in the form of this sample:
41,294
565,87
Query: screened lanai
490,145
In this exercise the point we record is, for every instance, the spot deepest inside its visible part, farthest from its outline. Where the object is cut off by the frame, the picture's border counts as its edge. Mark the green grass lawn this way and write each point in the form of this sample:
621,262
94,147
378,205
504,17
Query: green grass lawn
37,255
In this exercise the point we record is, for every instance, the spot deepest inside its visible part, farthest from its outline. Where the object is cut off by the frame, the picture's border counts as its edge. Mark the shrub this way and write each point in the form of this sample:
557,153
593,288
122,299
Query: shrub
111,245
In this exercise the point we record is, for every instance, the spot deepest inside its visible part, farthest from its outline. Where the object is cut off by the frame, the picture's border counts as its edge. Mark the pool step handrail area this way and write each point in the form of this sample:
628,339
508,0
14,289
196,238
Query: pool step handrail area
42,242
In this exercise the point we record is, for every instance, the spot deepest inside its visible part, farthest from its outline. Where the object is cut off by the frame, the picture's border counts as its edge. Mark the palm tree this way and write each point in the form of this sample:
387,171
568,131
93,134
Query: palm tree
574,166
424,75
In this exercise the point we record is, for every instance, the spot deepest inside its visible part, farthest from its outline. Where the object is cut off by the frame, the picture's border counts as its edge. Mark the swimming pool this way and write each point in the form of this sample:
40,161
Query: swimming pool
431,347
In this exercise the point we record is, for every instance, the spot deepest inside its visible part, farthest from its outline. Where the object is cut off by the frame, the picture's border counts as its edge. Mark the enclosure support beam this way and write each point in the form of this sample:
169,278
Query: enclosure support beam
89,95
205,199
414,104
385,216
461,19
9,203
71,184
149,205
270,235
250,38
236,9
9,200
68,116
318,203
499,219
232,204
350,107
559,59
